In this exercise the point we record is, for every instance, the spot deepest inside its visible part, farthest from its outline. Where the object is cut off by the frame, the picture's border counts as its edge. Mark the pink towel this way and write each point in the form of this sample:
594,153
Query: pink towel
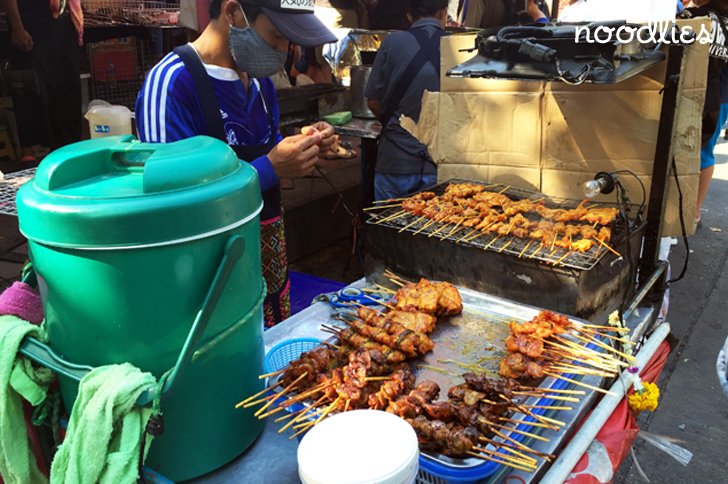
20,300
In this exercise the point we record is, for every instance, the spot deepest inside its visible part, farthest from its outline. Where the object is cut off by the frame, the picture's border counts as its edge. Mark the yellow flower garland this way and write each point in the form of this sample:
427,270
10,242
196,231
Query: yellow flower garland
645,399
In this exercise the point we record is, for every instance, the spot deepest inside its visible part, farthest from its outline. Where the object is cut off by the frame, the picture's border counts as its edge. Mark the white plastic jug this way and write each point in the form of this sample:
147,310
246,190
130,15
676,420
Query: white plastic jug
105,119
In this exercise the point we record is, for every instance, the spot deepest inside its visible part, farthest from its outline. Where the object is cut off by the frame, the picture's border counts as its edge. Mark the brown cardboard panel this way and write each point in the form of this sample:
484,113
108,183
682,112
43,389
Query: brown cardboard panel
569,184
618,132
498,128
529,178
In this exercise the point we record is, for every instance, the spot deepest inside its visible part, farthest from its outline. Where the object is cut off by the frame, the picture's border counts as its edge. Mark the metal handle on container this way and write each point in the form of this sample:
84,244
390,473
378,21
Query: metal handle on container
44,355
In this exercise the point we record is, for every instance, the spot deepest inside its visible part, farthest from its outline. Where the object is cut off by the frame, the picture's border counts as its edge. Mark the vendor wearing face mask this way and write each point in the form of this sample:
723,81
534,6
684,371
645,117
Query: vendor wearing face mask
218,86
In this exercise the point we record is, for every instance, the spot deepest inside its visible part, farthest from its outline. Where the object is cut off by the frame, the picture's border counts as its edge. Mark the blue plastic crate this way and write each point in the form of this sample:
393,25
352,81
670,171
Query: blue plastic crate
285,352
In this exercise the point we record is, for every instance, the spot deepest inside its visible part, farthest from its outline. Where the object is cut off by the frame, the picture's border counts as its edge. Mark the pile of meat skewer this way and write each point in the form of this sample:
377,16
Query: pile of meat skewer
470,208
550,344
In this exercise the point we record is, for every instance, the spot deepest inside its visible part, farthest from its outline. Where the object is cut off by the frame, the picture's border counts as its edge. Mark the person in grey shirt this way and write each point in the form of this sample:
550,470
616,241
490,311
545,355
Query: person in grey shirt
406,65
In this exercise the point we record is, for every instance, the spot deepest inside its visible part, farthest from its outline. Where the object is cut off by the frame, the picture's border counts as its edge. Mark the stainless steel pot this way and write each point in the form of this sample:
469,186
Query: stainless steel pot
359,78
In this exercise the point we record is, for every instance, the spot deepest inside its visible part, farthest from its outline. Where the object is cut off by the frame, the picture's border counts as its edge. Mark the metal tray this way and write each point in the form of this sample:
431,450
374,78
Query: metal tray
475,341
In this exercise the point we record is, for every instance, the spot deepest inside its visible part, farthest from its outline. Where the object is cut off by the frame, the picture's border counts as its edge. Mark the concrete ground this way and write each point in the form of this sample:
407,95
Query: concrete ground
693,408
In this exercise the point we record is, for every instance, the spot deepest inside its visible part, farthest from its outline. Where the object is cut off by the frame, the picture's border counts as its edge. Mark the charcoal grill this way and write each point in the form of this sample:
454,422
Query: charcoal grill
588,284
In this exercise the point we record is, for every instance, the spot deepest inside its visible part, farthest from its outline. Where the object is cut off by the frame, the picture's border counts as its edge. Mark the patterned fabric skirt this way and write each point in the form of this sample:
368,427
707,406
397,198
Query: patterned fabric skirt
277,304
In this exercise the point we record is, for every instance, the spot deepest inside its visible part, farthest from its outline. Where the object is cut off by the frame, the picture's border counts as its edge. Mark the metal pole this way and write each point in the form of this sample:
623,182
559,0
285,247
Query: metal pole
661,167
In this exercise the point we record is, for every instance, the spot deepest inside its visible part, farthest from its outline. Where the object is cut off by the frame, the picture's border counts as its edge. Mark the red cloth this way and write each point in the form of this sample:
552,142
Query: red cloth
613,442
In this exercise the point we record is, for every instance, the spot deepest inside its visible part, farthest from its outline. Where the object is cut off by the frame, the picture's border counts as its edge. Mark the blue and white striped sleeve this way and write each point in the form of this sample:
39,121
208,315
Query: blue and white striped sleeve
162,116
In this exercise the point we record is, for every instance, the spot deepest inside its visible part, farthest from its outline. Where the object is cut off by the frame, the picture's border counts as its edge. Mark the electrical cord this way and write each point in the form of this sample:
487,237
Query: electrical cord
623,204
682,224
642,185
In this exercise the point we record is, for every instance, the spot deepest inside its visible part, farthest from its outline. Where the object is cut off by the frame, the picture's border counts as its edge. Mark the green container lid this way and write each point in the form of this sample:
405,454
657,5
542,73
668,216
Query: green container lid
119,192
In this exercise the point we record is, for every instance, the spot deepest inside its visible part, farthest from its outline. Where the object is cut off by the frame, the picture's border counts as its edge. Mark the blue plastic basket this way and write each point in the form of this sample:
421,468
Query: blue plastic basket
286,351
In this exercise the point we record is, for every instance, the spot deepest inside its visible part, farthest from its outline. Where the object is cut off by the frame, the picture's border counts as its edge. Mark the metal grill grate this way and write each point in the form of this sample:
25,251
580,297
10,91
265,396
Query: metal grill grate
9,189
130,12
514,246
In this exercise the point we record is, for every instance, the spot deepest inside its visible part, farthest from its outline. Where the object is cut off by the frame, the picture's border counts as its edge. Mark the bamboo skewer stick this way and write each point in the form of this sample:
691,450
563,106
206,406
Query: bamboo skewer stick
506,245
576,350
506,448
302,414
606,246
464,237
548,407
554,423
568,253
259,401
439,229
595,354
392,200
533,254
410,224
589,363
491,242
595,341
516,431
253,397
377,378
532,424
392,291
389,306
546,457
392,217
582,370
450,234
525,249
428,224
273,373
552,397
576,382
553,390
608,336
507,187
285,417
605,328
382,207
282,392
518,444
501,462
530,462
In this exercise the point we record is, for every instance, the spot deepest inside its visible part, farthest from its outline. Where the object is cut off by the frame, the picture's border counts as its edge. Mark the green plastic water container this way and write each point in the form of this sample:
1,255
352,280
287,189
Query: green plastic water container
150,254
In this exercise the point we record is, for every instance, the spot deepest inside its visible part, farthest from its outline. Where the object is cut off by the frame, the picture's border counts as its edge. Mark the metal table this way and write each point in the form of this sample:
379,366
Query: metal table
273,456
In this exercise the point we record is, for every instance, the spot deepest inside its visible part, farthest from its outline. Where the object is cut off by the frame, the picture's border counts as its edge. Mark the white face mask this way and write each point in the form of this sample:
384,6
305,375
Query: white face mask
252,54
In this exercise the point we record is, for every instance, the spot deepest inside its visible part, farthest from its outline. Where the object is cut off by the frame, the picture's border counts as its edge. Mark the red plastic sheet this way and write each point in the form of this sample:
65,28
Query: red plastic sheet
613,442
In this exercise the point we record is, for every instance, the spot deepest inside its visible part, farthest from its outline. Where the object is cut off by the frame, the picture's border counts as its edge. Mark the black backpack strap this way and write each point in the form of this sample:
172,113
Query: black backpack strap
210,106
429,52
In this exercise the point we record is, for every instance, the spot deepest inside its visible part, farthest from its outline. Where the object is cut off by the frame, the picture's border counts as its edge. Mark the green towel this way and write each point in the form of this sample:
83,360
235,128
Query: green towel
105,429
18,379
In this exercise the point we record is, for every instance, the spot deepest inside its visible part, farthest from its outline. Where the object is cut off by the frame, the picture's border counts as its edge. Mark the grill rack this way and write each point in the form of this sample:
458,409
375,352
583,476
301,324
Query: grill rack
511,245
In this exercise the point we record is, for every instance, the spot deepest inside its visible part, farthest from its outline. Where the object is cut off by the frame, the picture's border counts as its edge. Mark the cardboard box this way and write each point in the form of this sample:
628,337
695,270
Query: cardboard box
553,136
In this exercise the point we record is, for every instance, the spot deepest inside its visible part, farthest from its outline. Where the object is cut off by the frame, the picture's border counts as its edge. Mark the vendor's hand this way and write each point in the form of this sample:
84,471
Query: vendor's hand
295,156
328,137
21,39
